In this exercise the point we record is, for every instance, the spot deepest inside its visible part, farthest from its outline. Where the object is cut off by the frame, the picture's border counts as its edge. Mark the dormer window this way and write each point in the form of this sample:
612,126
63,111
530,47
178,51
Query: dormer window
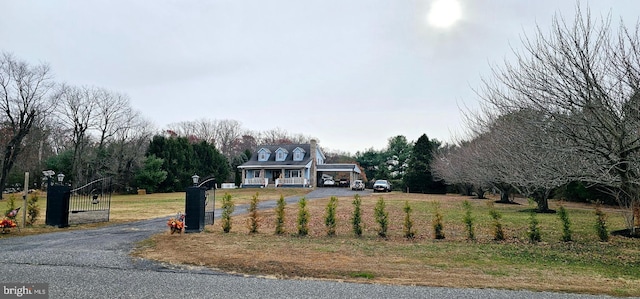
263,154
281,154
298,154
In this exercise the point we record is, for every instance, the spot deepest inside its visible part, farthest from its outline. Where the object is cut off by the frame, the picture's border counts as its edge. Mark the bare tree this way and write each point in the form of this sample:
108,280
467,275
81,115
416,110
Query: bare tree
111,115
77,115
24,94
585,77
128,148
228,131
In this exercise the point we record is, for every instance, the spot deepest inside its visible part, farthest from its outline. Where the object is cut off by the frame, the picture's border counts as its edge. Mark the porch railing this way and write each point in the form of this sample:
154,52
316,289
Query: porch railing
291,181
256,181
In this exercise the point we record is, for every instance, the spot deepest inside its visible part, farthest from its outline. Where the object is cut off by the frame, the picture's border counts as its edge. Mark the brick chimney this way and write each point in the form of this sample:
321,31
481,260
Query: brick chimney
313,175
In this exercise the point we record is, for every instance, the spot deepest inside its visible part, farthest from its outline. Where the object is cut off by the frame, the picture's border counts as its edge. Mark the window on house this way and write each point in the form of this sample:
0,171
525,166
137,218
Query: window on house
298,154
280,156
294,173
256,173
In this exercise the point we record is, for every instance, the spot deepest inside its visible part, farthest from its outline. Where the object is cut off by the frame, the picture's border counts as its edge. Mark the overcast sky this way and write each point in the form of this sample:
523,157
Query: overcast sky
351,73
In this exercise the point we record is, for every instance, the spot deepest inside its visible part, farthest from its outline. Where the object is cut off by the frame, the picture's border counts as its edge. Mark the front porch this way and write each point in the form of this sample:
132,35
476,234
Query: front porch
264,177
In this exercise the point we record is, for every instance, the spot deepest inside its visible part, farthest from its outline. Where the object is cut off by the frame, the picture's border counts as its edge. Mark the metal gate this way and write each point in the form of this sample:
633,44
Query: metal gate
210,206
91,202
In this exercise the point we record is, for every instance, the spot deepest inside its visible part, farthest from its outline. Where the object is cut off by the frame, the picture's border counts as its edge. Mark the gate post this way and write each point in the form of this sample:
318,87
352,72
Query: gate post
58,204
194,208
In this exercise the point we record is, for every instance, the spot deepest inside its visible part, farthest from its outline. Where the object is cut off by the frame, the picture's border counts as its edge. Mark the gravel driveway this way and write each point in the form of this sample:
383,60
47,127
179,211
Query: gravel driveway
95,263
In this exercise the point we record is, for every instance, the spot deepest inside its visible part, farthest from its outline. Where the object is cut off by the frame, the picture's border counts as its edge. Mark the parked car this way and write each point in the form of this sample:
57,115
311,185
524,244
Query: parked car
382,186
357,185
343,183
329,183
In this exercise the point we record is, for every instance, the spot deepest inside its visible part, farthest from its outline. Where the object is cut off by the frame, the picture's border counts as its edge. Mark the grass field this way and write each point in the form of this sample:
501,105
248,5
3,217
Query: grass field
584,265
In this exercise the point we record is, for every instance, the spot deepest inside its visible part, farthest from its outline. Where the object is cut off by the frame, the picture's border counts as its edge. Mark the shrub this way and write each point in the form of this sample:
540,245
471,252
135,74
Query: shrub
409,233
253,222
438,227
227,210
280,215
330,217
33,211
566,224
468,220
382,218
601,224
498,233
356,219
303,218
534,229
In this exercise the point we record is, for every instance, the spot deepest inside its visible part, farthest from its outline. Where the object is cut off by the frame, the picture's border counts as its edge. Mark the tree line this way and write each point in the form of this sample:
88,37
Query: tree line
563,114
88,132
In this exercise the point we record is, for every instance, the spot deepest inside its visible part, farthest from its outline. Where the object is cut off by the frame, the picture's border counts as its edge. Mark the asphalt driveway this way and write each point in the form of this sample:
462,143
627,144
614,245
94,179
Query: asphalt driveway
95,263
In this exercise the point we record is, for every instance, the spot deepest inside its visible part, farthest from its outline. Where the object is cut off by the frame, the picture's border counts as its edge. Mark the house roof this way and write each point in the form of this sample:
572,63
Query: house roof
288,161
339,167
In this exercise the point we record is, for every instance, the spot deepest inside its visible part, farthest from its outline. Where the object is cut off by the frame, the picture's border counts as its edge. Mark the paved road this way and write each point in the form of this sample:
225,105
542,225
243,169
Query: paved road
96,264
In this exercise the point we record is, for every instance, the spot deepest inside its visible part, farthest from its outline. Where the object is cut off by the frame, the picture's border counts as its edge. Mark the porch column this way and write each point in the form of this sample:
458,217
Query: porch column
244,176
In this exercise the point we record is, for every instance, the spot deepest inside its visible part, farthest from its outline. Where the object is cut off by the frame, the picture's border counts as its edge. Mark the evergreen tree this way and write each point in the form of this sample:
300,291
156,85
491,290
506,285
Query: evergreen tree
330,220
382,218
253,222
356,220
280,215
151,174
303,218
418,177
182,159
227,209
409,233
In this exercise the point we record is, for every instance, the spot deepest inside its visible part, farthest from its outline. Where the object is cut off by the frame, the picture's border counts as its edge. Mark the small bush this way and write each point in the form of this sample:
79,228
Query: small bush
566,224
409,233
382,218
330,217
534,229
601,224
303,218
33,211
498,233
280,215
438,226
468,220
227,210
356,219
253,222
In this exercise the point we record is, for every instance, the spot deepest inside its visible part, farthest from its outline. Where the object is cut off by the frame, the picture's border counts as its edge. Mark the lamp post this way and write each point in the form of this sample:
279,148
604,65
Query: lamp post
60,178
195,179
